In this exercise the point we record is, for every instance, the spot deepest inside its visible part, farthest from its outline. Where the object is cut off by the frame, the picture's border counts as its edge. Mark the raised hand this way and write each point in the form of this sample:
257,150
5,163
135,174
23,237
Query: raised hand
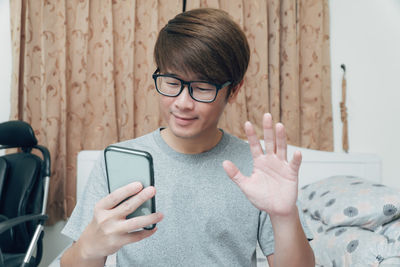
272,186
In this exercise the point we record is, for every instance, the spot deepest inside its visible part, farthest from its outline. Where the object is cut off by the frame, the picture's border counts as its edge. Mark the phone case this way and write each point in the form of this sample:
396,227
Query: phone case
126,165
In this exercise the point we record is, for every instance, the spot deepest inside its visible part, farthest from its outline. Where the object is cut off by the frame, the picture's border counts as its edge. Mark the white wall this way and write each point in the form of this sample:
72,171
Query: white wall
365,36
5,62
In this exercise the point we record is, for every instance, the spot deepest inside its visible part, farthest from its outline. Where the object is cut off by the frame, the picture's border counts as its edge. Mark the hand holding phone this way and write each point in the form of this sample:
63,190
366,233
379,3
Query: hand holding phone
130,181
124,166
109,230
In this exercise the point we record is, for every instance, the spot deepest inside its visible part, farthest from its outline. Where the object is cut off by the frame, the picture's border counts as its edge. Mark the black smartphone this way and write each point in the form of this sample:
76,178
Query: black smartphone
127,165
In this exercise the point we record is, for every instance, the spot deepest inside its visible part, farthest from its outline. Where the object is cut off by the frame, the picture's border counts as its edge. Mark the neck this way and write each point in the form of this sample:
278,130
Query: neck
193,145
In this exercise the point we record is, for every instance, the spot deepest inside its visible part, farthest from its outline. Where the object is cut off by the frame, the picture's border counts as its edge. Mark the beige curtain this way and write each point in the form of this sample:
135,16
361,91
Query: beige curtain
82,74
289,71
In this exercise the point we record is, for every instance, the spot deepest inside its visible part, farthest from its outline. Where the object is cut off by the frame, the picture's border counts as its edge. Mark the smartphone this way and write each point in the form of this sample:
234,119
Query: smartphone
126,165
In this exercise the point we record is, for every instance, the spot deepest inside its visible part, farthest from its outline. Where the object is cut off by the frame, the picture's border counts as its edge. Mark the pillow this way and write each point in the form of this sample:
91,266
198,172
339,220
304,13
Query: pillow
391,231
350,201
315,226
352,246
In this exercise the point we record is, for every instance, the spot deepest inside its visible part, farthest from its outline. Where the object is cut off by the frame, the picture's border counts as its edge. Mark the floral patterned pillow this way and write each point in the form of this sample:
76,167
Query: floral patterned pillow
350,201
352,246
391,231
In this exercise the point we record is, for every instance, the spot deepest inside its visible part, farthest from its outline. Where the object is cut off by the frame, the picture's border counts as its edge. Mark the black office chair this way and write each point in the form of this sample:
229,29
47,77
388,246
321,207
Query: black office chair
24,183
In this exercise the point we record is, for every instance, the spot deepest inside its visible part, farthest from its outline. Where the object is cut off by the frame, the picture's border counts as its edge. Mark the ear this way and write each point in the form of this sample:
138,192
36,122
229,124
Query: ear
235,92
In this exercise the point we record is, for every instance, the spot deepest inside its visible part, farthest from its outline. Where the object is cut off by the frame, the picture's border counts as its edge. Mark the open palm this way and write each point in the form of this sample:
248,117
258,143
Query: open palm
272,186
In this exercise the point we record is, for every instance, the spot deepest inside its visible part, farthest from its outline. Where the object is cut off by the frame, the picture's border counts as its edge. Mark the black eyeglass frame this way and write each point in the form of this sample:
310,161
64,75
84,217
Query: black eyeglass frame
188,83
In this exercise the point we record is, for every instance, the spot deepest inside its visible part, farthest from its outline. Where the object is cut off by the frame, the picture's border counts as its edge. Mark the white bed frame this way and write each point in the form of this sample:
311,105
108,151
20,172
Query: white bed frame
315,165
320,164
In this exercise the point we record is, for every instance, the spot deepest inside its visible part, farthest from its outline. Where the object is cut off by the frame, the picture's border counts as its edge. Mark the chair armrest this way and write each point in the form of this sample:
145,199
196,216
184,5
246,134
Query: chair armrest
6,225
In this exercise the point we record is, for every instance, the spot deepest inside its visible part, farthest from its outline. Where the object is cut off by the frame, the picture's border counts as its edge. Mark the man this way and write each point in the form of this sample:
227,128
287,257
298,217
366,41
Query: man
204,218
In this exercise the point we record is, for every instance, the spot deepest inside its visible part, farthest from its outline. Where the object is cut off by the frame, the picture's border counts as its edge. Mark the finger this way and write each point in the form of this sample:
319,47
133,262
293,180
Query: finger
254,142
117,196
269,139
139,222
137,236
296,161
130,205
281,146
233,172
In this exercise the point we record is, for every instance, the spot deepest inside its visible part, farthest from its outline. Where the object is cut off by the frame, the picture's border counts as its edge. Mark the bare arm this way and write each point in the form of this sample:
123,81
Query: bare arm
289,236
109,229
74,256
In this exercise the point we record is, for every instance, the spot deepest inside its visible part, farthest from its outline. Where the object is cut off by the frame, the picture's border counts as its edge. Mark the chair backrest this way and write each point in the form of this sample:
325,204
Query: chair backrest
21,194
21,183
3,172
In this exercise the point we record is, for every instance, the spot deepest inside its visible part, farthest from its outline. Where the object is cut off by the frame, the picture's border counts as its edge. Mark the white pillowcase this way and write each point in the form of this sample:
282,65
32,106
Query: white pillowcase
350,201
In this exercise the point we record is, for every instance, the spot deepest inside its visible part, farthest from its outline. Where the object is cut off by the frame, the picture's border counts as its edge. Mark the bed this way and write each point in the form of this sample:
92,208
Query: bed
354,181
355,219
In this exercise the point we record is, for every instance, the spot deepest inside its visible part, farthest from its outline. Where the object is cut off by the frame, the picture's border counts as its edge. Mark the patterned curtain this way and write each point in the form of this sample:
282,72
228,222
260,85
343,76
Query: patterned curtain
82,74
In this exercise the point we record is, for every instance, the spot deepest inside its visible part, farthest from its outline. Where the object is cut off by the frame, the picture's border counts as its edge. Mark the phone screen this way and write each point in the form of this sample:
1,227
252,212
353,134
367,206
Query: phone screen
124,166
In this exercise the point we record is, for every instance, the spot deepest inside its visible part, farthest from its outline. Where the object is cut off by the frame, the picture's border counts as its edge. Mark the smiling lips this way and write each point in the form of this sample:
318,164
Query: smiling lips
183,120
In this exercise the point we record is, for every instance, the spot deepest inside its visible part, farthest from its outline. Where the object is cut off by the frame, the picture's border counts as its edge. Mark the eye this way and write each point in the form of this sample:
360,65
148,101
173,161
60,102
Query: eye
173,83
203,89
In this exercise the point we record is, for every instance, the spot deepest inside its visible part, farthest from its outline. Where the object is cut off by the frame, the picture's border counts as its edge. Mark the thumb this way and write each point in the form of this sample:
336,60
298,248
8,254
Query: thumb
233,172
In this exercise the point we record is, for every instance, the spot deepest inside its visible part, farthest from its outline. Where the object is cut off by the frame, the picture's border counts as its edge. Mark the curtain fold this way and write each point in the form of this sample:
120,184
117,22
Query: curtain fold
81,74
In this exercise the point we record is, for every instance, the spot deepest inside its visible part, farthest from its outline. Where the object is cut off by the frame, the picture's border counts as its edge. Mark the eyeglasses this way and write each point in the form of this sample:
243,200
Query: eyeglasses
169,85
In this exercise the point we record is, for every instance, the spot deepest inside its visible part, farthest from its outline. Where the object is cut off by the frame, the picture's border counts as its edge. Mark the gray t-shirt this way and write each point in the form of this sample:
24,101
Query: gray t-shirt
207,221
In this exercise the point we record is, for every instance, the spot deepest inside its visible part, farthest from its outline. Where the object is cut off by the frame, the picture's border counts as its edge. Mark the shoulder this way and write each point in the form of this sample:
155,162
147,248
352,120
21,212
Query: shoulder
238,151
236,143
143,141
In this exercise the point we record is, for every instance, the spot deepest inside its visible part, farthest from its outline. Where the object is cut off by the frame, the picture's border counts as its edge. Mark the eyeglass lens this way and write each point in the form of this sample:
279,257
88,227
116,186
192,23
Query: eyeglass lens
199,90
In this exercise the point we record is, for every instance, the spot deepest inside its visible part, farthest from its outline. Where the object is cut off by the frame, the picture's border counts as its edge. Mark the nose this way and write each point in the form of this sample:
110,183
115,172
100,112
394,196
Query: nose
184,100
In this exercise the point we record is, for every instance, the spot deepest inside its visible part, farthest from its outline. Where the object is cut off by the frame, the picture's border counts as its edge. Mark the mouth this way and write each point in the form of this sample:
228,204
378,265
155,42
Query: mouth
184,120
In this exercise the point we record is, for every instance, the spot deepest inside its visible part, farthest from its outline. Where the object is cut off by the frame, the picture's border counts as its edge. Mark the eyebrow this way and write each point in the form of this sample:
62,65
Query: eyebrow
170,73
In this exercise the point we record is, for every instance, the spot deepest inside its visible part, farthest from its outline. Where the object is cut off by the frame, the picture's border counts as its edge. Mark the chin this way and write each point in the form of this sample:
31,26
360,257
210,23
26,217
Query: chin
183,133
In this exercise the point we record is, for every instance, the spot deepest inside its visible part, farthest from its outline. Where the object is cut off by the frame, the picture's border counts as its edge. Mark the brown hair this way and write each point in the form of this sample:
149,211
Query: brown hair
206,42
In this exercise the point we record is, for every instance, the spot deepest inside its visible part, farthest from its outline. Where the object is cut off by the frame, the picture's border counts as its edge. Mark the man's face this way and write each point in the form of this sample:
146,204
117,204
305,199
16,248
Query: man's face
188,118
